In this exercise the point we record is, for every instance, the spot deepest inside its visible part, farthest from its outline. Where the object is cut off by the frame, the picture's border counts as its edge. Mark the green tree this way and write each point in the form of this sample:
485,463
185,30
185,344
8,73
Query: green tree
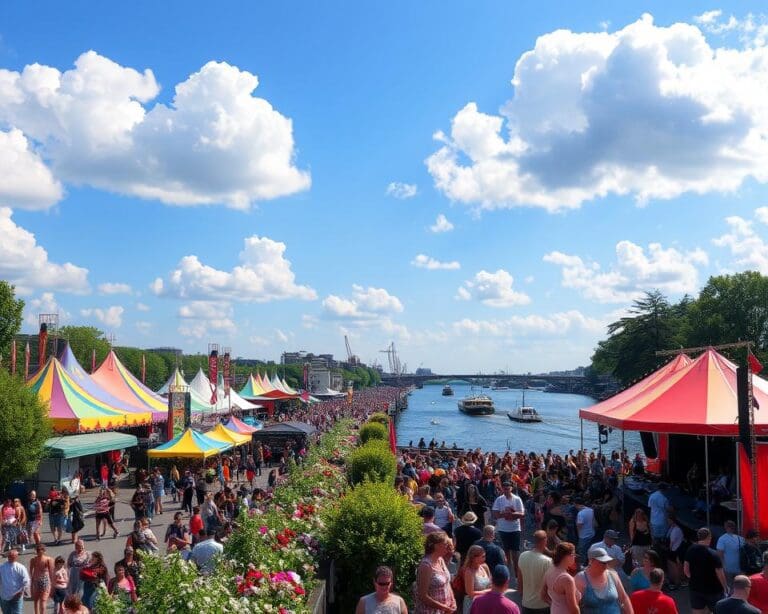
23,429
11,310
83,340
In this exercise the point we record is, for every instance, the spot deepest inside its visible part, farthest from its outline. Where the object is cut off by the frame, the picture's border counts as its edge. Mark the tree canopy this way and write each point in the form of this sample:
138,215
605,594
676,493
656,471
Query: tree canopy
729,308
11,310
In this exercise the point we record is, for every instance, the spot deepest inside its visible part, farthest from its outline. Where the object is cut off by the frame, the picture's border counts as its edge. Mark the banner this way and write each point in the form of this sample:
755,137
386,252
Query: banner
42,341
26,361
179,413
213,374
143,368
225,368
745,486
13,357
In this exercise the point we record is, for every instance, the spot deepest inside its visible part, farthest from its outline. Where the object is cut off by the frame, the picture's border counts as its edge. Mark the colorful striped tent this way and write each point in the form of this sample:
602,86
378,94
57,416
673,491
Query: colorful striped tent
115,378
237,425
223,434
72,409
253,390
189,444
199,405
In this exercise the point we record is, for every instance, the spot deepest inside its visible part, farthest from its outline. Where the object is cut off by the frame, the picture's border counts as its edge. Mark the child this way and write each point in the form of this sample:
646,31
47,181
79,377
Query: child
60,582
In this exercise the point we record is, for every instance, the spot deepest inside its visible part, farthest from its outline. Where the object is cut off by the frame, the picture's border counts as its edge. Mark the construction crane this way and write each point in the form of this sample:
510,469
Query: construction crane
352,359
393,359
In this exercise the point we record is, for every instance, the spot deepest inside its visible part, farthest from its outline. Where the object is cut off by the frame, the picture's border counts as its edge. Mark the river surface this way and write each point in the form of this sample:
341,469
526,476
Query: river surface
559,430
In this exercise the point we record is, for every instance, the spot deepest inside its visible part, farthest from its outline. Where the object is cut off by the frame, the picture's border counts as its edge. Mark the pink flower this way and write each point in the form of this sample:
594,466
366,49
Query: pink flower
263,529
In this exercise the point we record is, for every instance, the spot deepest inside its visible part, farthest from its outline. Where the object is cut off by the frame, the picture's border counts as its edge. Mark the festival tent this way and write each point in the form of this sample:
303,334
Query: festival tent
92,387
698,398
237,425
199,405
275,391
287,388
176,379
115,378
223,434
253,390
72,409
329,393
202,386
189,444
235,400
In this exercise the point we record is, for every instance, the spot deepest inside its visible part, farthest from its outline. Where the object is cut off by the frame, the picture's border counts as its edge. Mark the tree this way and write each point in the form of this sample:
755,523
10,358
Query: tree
83,340
11,310
23,429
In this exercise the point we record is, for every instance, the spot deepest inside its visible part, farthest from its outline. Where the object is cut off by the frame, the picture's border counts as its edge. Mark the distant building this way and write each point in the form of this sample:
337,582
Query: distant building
423,371
299,358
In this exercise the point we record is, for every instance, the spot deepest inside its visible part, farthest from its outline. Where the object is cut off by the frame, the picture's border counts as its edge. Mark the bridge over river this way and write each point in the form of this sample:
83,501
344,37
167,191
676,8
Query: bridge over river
563,383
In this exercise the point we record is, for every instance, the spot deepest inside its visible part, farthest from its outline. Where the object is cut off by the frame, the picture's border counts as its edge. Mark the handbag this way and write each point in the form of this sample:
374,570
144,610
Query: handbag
457,584
88,574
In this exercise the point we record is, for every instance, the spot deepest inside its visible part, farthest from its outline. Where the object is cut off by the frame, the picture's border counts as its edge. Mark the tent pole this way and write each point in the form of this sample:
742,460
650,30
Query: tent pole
706,472
581,428
740,496
622,443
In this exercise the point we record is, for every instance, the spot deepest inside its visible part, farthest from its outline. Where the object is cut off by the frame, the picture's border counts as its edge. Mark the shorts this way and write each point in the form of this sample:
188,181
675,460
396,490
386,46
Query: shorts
699,601
59,595
34,525
102,516
58,521
158,493
510,540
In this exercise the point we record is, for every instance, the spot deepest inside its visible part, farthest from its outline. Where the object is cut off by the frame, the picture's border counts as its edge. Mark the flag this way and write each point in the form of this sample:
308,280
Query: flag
13,357
93,360
42,340
392,436
213,374
26,361
754,363
143,368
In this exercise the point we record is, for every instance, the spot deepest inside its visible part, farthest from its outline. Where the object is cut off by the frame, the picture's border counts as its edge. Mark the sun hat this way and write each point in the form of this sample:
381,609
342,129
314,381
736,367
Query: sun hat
599,554
610,533
469,518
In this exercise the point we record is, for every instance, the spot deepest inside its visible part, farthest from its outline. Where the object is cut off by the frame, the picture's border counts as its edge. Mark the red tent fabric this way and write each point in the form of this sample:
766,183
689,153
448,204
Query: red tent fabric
698,398
745,479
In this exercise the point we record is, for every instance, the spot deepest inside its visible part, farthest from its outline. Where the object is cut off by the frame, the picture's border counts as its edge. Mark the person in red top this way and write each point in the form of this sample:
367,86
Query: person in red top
196,524
758,596
652,600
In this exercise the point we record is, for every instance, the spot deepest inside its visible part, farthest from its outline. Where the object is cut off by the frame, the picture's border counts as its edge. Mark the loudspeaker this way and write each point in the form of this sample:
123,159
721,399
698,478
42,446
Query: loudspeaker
742,396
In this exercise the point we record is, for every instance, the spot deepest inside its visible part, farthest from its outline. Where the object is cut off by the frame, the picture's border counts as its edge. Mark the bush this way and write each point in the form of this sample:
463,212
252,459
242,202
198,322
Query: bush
373,462
379,417
373,525
373,430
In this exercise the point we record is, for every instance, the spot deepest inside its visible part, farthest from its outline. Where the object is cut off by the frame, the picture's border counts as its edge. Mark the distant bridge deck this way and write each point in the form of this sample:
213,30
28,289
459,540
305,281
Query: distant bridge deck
414,379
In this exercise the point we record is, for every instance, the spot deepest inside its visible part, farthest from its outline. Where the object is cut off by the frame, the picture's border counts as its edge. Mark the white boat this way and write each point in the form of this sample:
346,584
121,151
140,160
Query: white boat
478,405
433,421
447,391
524,413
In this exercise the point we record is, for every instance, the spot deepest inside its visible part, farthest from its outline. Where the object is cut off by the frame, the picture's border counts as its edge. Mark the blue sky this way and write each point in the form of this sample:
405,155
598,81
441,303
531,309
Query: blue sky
386,178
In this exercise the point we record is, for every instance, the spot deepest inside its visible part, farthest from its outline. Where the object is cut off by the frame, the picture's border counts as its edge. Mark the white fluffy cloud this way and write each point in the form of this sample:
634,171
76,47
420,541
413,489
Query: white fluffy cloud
554,324
111,316
264,275
493,290
366,304
25,180
142,307
25,263
646,111
202,318
45,303
748,247
114,288
214,143
441,224
422,261
668,270
402,190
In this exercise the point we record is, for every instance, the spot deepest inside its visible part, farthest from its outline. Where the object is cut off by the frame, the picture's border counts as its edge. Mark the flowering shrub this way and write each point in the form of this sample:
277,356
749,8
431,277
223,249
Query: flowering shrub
373,462
373,430
380,417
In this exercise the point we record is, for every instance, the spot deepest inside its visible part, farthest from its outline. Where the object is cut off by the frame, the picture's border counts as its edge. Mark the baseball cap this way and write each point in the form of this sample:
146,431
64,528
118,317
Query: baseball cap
599,554
500,574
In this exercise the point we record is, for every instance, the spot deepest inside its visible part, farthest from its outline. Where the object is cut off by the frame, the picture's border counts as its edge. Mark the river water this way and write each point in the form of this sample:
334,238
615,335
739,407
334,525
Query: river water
559,430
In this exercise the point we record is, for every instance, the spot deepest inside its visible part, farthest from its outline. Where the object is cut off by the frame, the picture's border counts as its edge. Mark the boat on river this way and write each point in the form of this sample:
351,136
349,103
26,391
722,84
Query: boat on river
524,413
447,391
477,405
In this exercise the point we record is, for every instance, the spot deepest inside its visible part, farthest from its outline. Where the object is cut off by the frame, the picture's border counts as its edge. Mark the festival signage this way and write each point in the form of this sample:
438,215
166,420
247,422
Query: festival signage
225,368
213,371
179,410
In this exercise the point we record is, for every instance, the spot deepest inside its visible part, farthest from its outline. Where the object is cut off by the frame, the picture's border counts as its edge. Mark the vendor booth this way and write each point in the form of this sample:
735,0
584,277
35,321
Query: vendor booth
189,444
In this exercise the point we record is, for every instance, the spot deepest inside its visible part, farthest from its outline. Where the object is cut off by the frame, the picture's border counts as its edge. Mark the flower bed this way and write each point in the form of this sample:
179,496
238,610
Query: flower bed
270,561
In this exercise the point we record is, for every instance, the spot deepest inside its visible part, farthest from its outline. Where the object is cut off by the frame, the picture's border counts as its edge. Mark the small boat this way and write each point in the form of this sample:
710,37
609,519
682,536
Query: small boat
447,391
500,388
479,405
524,413
433,421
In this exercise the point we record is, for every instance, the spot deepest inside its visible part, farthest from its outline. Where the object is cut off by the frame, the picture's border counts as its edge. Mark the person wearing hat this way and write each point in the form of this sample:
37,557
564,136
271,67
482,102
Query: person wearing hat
508,510
466,534
613,549
495,601
601,588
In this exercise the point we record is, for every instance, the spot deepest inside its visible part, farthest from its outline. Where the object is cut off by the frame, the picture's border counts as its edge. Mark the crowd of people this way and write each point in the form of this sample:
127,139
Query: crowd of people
205,499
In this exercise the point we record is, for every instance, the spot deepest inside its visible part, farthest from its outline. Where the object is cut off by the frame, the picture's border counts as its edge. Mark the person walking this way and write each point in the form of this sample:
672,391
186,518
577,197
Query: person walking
41,578
187,491
76,560
434,594
466,534
101,511
77,517
495,601
532,567
157,484
34,517
758,594
508,510
559,589
93,574
601,589
704,568
729,547
585,527
14,584
475,575
651,600
660,507
382,600
738,602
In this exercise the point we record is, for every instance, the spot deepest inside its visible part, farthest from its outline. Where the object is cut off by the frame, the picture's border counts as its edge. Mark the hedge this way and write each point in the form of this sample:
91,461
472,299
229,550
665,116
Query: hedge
373,462
373,430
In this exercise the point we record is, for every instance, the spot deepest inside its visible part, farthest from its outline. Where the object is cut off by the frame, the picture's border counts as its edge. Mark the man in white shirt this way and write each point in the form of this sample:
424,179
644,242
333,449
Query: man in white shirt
585,527
14,582
614,551
204,553
507,511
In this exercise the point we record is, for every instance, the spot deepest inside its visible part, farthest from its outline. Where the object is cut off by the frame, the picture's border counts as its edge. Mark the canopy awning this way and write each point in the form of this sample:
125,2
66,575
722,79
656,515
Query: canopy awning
75,446
237,425
189,444
288,428
683,397
223,434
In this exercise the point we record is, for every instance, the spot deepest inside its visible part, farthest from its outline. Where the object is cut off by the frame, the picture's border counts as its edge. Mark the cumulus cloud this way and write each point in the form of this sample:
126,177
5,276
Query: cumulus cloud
651,112
422,261
669,270
748,248
115,288
25,263
25,181
202,318
142,307
264,275
493,290
441,224
94,124
45,303
111,316
365,304
402,191
554,324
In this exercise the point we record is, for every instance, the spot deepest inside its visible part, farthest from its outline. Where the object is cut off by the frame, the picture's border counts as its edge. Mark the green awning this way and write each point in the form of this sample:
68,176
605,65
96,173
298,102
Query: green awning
73,446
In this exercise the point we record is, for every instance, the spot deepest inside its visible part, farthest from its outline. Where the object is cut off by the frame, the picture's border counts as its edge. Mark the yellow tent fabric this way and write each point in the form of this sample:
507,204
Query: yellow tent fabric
223,434
190,444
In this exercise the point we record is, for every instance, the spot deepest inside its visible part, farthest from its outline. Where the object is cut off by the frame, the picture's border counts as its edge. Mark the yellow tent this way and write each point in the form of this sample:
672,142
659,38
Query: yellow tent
190,444
223,434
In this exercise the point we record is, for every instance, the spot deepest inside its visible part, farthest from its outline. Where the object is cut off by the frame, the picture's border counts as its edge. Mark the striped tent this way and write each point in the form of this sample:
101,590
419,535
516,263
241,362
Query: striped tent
189,444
